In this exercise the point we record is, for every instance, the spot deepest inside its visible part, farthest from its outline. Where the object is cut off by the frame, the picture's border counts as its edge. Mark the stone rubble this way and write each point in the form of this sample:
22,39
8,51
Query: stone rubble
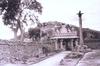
17,52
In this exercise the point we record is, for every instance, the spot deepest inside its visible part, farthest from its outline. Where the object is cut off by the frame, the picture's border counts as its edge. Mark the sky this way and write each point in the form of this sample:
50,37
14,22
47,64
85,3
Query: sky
65,11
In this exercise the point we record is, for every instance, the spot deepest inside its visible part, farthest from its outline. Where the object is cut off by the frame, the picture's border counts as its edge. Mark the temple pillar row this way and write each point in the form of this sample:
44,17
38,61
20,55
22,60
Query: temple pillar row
72,44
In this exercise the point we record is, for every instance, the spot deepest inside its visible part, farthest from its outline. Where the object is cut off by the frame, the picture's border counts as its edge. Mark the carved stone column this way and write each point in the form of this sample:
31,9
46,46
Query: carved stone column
56,44
72,47
76,44
61,44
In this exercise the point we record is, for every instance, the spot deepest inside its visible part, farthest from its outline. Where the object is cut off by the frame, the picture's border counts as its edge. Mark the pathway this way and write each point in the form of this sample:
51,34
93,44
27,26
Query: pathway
52,61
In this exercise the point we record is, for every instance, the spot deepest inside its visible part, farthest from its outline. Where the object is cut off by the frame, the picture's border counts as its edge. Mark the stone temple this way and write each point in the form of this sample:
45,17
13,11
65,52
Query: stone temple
64,36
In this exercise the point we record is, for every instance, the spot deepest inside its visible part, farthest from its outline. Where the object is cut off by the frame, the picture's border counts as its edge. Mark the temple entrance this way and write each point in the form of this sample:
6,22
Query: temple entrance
66,44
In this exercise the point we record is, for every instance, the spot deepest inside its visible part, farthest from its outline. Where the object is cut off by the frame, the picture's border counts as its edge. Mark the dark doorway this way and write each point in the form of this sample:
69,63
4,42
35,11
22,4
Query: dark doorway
65,42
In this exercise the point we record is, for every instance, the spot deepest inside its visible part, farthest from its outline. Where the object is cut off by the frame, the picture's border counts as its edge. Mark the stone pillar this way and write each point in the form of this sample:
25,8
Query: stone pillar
61,44
76,44
56,44
72,47
80,29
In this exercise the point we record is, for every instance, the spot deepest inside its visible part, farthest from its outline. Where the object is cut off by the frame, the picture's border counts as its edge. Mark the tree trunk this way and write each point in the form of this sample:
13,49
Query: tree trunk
22,33
15,34
15,30
21,27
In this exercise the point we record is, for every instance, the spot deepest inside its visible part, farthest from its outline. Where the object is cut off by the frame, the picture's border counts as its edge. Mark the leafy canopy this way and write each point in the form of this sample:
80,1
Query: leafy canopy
12,8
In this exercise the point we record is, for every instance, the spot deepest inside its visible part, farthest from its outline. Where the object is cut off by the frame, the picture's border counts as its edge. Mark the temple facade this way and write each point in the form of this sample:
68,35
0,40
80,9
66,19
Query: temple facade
65,37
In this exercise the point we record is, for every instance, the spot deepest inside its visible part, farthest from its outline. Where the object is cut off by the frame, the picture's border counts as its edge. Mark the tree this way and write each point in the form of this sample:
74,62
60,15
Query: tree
34,33
12,11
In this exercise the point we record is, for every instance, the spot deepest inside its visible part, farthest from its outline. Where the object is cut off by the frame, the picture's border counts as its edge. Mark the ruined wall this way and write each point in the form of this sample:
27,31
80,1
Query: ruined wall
93,44
19,52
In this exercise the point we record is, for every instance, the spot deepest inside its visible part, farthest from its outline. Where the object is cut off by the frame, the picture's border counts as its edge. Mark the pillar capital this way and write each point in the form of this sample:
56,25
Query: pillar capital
79,14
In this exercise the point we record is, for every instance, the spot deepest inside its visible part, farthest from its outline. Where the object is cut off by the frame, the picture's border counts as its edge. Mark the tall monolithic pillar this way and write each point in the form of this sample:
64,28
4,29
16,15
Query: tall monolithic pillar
80,28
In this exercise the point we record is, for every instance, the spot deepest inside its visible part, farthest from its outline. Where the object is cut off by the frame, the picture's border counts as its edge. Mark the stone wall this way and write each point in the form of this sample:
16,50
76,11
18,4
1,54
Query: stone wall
19,52
93,44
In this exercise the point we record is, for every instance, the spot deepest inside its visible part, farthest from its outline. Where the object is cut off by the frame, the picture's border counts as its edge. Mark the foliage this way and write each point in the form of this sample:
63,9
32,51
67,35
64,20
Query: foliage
12,11
34,33
14,7
11,8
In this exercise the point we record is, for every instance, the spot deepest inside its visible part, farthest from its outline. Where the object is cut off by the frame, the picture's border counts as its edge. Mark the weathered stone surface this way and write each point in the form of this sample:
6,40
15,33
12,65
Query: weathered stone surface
20,52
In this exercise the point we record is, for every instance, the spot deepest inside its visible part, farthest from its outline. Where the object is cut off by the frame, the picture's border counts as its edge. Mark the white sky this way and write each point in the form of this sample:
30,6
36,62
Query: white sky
65,11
